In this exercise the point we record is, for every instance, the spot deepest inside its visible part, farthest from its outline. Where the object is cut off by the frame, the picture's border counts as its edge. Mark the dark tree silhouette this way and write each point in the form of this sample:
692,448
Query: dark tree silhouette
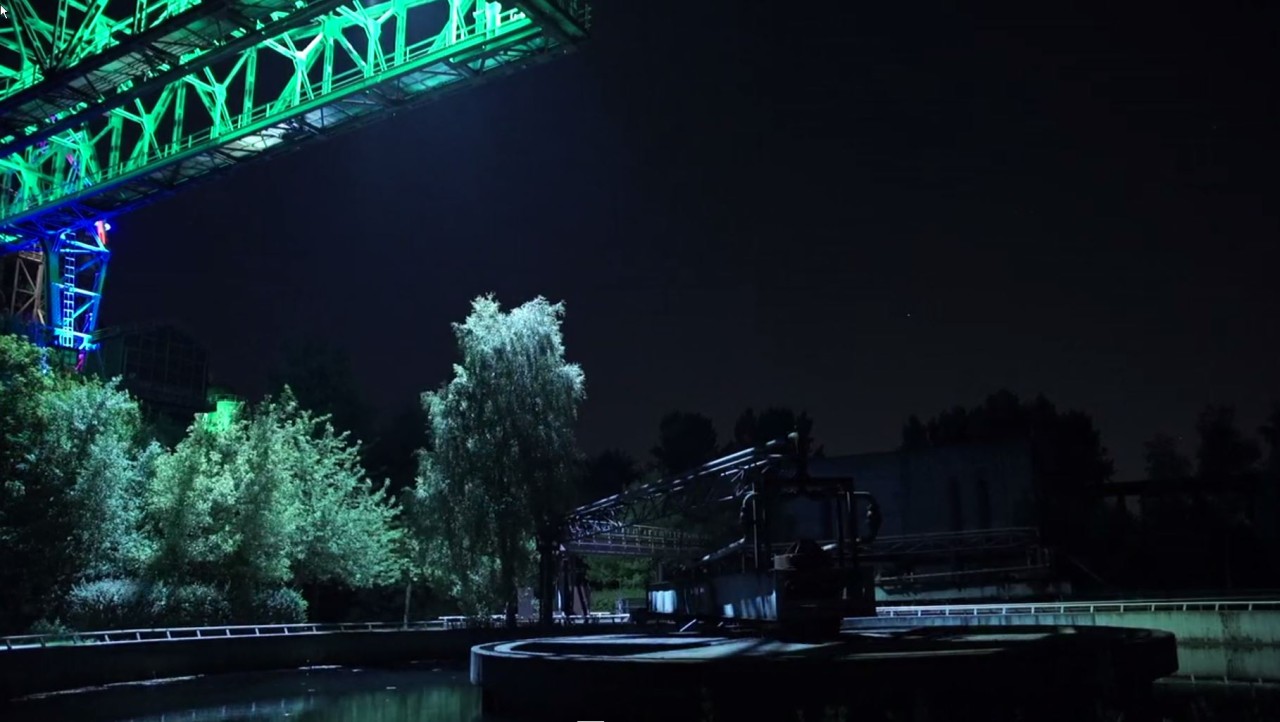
752,430
1268,503
321,378
393,453
608,473
1270,433
685,440
1163,459
914,434
1224,449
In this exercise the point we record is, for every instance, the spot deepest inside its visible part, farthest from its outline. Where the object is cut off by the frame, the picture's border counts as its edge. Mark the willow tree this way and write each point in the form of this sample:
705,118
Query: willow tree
503,454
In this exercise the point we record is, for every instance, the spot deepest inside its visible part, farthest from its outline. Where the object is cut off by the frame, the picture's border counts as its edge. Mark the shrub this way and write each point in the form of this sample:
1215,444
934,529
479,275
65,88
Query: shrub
104,604
189,605
44,626
56,629
280,606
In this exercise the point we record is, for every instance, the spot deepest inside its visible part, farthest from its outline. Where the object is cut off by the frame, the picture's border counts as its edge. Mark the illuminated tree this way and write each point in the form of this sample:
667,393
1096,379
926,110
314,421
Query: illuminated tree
503,454
273,498
72,473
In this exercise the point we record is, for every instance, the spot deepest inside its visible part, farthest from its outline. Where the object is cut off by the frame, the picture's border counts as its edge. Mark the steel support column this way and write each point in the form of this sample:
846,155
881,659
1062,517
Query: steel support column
24,289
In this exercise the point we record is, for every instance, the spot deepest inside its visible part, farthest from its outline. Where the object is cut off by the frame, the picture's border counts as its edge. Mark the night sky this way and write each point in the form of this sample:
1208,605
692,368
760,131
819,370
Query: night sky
864,213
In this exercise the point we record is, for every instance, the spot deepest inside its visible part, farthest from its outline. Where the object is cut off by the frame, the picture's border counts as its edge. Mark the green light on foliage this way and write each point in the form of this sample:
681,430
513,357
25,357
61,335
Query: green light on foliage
223,414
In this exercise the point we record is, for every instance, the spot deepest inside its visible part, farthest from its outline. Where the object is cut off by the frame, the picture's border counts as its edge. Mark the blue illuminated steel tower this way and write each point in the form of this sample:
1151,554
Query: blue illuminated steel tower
112,104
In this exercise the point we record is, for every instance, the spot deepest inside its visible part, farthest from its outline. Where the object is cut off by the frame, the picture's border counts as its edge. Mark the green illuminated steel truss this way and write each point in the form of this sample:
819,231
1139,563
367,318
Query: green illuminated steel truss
100,115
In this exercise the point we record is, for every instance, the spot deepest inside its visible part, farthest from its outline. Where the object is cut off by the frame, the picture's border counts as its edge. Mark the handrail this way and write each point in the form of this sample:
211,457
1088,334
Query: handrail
1106,607
133,636
169,634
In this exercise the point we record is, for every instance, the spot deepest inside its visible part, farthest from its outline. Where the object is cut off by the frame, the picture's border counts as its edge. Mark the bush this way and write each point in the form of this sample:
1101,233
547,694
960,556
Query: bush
280,606
189,605
104,604
56,631
56,627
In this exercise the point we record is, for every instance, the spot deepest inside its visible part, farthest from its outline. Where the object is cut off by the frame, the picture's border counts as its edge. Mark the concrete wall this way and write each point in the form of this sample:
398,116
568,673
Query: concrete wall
44,669
957,488
963,488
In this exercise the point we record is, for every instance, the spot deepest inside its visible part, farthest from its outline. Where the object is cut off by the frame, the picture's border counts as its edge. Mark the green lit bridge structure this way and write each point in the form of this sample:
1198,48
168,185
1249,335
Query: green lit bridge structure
109,105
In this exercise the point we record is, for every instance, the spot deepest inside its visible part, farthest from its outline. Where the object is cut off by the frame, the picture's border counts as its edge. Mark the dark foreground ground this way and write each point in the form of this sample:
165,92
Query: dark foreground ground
436,692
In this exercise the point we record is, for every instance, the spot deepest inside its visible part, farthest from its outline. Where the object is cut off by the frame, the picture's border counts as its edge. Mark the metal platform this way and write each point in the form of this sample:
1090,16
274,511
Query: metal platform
1042,673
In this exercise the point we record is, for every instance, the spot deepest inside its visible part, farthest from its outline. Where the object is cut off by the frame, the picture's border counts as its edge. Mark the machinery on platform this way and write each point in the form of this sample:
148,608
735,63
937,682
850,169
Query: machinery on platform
774,566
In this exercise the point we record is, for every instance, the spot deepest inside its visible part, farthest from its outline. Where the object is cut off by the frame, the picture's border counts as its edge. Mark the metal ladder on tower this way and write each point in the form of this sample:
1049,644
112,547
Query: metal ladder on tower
68,319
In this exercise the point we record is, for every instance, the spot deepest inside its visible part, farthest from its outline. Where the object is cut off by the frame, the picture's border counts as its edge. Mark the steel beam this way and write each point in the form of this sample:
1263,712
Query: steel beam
718,480
346,68
120,66
951,543
640,541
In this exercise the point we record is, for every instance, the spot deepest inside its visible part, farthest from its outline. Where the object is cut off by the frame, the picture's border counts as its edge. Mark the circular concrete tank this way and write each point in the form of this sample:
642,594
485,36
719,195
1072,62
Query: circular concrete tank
1040,673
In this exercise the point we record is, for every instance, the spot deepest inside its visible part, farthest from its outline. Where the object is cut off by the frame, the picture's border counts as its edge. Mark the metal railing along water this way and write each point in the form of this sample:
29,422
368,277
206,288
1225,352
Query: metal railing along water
133,636
1083,607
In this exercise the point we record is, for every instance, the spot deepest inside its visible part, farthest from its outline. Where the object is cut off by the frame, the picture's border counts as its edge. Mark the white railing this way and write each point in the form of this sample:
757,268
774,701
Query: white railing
132,636
1105,607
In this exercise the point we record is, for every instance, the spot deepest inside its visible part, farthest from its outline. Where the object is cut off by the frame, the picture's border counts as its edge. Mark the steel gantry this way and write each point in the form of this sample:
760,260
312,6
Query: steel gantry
716,481
111,104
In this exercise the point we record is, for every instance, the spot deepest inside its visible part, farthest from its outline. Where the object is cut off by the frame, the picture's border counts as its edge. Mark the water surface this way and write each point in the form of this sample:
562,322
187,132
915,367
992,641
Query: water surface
423,692
436,692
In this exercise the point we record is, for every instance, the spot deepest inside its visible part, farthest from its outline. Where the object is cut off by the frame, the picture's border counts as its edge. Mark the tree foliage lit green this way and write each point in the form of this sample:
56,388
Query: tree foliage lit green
275,498
100,523
503,455
73,466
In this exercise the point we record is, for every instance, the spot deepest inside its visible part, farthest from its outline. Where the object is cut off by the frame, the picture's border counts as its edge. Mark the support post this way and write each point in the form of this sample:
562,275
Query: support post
408,597
24,286
546,577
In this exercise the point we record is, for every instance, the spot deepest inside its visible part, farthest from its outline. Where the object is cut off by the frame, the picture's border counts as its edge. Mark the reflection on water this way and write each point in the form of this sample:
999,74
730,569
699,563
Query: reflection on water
1210,702
419,694
430,693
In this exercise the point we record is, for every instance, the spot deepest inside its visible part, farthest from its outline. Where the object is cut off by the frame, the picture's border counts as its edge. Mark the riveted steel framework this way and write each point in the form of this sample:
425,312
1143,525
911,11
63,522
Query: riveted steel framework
641,541
720,480
25,286
101,113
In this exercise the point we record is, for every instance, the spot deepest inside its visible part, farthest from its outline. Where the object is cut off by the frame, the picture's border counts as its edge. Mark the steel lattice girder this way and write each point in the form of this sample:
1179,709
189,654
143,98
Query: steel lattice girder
644,541
346,68
718,480
66,78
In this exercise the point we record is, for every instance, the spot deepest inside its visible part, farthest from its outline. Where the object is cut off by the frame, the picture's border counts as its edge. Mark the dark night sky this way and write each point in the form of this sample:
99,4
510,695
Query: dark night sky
865,213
